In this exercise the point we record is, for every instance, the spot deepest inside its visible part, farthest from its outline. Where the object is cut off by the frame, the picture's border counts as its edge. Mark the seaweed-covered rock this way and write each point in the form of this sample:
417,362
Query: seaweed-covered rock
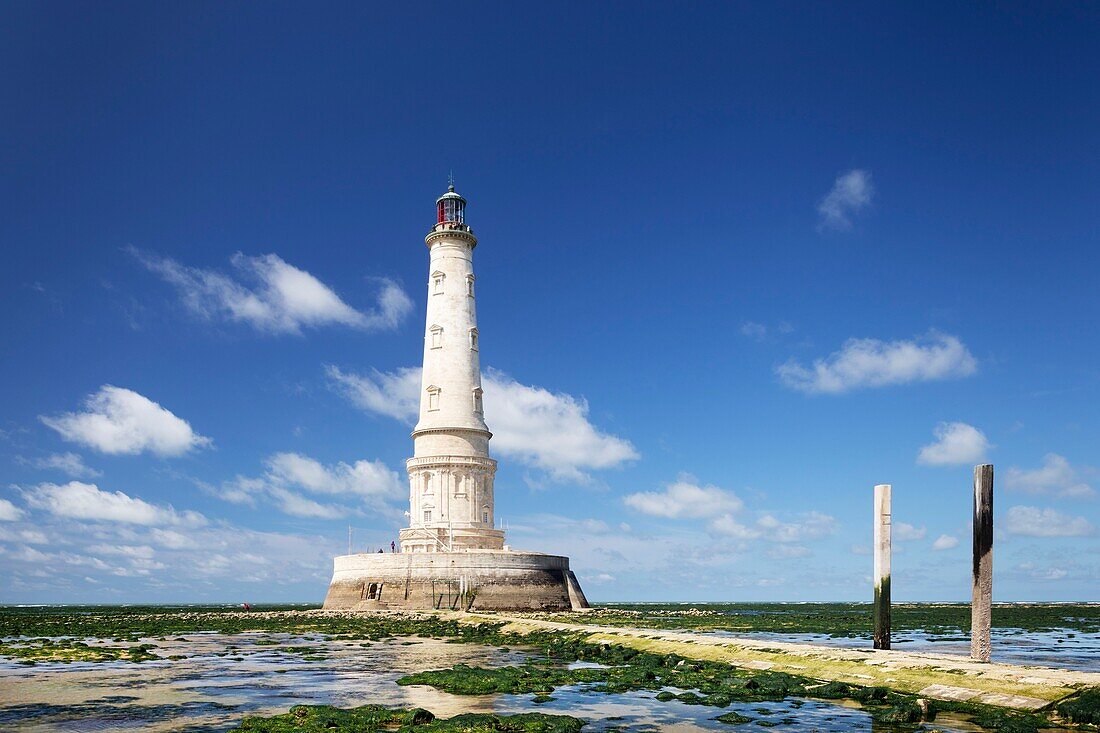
373,718
832,691
903,712
733,718
1082,708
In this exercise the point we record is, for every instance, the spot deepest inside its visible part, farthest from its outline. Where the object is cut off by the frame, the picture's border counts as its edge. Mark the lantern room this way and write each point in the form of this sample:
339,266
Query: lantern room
451,208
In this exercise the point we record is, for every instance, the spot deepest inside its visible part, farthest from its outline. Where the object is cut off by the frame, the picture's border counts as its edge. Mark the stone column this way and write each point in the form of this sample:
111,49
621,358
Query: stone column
981,603
882,567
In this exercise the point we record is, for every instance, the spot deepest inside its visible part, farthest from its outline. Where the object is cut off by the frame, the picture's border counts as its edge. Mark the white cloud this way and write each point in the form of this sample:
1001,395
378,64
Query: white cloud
366,478
904,532
393,394
287,475
283,300
727,526
9,512
144,552
550,431
121,421
788,552
77,500
811,525
754,330
685,499
68,463
945,542
172,539
850,194
1056,477
864,363
956,443
299,506
1029,521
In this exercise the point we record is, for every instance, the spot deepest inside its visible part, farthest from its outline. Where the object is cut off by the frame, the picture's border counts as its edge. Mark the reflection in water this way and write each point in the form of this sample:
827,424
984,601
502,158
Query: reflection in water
224,678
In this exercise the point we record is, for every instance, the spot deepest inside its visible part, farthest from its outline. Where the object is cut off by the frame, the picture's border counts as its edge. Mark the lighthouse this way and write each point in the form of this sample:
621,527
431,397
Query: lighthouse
451,474
452,556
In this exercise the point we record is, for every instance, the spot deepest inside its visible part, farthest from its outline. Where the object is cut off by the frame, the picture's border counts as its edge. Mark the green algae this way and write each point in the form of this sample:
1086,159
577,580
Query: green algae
1083,708
733,718
72,650
370,718
709,683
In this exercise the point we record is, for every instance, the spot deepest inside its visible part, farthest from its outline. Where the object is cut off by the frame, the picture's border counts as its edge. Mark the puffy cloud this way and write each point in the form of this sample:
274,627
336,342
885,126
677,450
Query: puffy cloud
945,542
903,532
282,300
808,526
366,478
68,463
201,561
1029,521
1056,476
811,525
9,512
299,506
393,394
144,552
862,363
77,500
120,421
956,443
547,430
685,499
850,194
287,475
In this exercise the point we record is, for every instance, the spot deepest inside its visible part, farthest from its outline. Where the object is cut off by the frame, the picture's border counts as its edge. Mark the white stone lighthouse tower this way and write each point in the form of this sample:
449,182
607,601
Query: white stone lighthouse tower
451,473
451,556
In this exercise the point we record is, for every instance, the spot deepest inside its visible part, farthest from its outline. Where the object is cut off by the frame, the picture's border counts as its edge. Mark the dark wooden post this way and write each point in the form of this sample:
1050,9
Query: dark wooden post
981,603
882,567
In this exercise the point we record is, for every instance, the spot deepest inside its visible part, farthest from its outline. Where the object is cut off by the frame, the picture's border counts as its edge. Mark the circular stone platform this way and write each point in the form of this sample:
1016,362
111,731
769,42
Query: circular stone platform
497,580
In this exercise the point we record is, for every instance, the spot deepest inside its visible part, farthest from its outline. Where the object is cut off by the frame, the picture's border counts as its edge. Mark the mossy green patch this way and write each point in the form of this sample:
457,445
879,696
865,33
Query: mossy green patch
371,718
72,650
1082,708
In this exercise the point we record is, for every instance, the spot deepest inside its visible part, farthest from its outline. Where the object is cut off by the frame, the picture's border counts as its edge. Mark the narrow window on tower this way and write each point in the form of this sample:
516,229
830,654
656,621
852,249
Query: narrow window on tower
433,398
435,335
427,516
437,282
473,339
485,515
477,399
470,285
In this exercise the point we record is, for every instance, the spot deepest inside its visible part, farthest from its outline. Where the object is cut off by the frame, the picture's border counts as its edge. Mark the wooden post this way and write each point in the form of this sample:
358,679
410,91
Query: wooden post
882,567
981,603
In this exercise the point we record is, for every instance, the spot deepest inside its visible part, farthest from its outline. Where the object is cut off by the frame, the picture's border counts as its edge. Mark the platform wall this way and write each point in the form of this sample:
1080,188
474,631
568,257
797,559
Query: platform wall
479,580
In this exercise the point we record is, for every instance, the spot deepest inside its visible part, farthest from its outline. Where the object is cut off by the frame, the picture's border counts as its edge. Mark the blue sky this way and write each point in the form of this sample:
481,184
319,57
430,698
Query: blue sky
737,265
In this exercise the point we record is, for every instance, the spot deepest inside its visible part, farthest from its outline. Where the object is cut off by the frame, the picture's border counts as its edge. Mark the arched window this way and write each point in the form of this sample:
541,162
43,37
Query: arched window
435,336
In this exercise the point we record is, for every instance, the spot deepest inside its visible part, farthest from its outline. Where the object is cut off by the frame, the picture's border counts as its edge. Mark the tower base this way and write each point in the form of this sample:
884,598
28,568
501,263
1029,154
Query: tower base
474,580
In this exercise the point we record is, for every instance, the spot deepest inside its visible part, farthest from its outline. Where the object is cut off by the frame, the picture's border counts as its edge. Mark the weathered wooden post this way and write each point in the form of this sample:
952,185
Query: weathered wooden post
981,603
882,567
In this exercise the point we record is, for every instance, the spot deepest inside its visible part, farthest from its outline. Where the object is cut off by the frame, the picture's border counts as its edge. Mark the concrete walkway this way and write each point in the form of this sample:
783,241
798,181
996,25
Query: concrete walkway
940,676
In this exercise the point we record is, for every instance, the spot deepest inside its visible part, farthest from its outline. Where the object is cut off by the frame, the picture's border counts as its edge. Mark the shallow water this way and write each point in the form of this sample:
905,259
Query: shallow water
225,677
1064,648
